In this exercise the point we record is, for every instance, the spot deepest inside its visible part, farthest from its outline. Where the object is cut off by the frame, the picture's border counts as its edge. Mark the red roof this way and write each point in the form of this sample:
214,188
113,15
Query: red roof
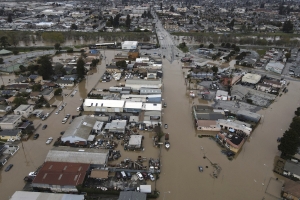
61,173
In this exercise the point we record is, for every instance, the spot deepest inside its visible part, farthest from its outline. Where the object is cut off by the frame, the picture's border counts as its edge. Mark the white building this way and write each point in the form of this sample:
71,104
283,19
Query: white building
276,67
137,84
236,125
129,44
10,121
24,110
100,105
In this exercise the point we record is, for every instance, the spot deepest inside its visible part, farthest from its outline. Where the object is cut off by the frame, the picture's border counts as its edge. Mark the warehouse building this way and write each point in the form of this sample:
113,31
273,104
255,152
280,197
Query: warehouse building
100,105
137,84
246,115
79,130
94,157
25,195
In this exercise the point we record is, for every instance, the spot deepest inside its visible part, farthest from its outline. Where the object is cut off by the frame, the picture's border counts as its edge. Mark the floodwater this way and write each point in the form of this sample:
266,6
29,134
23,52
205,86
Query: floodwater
246,177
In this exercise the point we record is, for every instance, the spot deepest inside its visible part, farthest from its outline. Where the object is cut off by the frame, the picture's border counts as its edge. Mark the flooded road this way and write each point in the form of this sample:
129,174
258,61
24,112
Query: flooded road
246,177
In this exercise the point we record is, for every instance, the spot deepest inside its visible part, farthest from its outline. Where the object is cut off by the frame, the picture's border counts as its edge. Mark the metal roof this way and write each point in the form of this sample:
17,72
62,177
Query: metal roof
22,195
77,155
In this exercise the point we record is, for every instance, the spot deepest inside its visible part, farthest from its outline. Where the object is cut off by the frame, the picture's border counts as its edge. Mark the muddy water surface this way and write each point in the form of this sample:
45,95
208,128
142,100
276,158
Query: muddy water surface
246,177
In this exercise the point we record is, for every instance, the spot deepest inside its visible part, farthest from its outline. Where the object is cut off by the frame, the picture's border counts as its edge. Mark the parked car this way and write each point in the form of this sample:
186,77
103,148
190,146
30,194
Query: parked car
63,132
151,177
165,105
200,169
44,127
166,126
145,175
118,175
36,136
57,112
140,176
49,140
9,167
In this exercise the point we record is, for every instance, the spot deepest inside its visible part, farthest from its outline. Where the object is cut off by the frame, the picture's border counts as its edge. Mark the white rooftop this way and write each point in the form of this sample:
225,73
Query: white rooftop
104,103
251,78
152,106
132,104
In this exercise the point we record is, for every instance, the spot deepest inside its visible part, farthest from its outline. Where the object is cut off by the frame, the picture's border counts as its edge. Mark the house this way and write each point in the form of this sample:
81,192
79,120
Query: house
236,125
291,169
135,141
35,78
245,115
47,93
100,105
291,190
272,83
207,125
232,142
79,130
126,195
10,121
133,54
7,134
276,67
65,83
60,176
97,158
116,126
24,110
21,195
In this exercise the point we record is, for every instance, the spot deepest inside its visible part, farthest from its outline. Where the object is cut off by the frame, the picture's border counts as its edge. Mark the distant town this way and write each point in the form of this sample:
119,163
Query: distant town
121,100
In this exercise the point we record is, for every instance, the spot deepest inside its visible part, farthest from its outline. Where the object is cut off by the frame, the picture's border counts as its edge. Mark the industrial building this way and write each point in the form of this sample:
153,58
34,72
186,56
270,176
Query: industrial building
137,84
94,157
129,44
60,176
246,115
79,130
116,126
24,195
100,105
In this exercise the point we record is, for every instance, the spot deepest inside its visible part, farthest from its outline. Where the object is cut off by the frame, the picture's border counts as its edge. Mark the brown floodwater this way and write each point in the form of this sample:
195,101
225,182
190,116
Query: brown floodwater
245,177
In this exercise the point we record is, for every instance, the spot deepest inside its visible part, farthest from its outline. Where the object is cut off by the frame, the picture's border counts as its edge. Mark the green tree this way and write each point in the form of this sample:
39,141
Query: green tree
22,68
295,125
287,27
9,18
1,60
80,68
73,27
201,45
4,42
45,68
94,62
191,21
215,69
19,100
223,44
58,92
172,9
57,46
36,87
211,46
289,143
128,21
227,45
236,49
297,112
121,64
15,52
288,55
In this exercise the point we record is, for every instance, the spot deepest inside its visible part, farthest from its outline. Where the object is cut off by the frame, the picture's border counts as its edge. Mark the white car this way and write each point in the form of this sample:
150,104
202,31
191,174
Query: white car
49,140
57,112
151,177
140,176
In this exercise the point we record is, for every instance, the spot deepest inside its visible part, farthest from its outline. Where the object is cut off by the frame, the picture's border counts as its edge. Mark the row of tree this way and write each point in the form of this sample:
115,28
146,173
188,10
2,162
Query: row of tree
290,140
